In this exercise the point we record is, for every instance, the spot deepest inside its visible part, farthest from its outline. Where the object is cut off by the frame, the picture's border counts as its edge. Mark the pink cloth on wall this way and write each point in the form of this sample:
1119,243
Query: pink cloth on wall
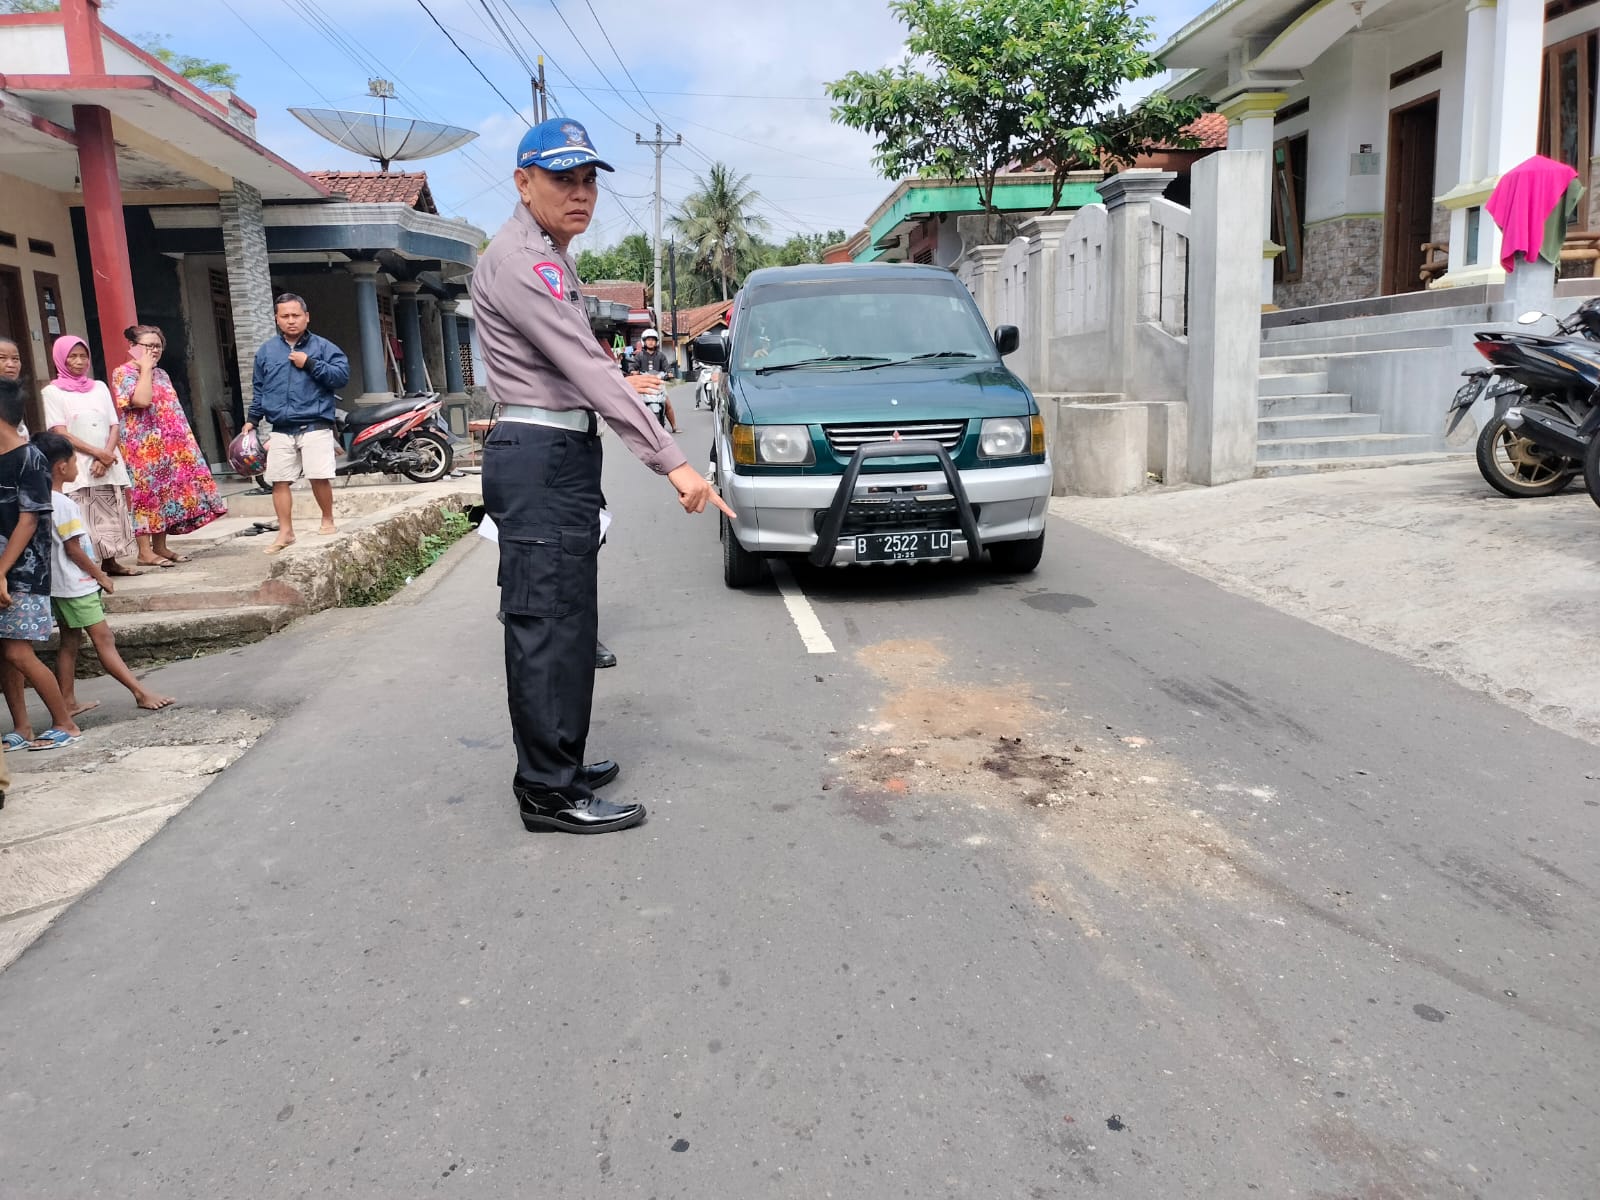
1523,201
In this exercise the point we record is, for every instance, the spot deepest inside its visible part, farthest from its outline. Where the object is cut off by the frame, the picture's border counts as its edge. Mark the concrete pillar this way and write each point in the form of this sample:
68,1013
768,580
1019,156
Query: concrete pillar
374,361
1251,127
1127,195
1101,449
244,248
454,384
985,266
408,324
1484,121
1229,206
1044,234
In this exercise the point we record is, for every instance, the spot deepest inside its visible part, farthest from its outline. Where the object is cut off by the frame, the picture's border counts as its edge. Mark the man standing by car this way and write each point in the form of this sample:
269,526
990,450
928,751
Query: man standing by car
651,359
298,375
541,474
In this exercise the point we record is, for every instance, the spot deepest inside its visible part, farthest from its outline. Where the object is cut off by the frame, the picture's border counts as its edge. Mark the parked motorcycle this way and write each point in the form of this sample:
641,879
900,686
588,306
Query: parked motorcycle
401,437
1544,390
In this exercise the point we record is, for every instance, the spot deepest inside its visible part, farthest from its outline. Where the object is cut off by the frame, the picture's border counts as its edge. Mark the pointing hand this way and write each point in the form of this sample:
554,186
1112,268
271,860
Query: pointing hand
695,491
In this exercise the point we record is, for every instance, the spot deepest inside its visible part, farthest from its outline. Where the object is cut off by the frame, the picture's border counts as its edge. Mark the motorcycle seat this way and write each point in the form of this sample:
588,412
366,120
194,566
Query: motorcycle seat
363,415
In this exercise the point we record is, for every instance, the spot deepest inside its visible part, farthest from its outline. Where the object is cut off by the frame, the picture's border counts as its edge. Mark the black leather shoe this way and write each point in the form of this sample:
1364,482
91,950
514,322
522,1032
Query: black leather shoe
602,656
555,813
597,775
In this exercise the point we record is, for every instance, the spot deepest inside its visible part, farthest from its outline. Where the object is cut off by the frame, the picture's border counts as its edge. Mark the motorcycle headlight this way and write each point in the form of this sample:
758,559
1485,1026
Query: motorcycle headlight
784,445
1005,437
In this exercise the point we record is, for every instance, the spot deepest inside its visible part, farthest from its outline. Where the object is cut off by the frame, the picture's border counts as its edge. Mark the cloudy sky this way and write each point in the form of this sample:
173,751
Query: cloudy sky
741,80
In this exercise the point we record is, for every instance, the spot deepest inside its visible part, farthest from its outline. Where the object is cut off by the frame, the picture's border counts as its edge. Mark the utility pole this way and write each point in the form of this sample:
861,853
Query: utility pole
660,147
541,104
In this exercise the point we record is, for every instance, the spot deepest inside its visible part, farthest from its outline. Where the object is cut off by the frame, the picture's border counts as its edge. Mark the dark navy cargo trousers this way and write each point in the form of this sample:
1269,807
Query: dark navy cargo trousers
541,487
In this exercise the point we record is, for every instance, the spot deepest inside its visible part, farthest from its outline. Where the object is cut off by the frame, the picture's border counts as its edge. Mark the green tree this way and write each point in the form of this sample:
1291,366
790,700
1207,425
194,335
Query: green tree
718,222
991,83
204,71
804,248
29,6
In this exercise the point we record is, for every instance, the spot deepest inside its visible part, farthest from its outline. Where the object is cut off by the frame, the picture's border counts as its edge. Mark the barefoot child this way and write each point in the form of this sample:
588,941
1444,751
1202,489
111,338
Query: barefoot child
25,566
76,582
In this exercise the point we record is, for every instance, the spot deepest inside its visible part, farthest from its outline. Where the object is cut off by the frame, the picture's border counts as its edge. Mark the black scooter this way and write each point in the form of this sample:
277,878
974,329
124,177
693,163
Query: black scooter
1544,390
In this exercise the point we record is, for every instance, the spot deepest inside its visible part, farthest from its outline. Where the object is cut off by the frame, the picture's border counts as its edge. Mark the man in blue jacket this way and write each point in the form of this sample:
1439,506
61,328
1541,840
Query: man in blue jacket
297,380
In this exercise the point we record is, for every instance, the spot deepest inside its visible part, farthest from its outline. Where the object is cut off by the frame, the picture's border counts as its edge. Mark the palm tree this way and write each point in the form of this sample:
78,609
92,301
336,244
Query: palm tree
718,220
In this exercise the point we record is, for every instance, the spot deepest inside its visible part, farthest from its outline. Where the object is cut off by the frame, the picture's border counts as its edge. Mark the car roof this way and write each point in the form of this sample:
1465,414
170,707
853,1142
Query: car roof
835,271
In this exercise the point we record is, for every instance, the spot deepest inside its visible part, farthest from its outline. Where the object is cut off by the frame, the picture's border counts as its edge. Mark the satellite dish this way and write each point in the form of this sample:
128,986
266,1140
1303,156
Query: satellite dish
381,137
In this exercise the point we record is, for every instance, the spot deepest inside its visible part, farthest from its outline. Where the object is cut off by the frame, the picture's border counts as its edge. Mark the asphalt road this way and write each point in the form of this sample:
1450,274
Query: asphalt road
1097,882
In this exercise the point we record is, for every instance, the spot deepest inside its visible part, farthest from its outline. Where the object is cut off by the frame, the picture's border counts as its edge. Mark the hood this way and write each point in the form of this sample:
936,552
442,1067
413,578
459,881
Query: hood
909,393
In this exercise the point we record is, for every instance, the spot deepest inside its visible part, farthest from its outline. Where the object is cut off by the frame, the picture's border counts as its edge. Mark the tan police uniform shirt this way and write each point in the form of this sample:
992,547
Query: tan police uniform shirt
538,346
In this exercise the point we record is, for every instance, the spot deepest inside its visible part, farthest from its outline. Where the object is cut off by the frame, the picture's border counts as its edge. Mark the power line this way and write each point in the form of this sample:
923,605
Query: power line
563,18
275,51
505,36
603,33
470,62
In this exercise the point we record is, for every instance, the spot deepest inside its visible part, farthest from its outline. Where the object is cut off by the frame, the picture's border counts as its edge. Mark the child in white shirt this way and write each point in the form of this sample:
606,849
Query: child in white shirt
76,581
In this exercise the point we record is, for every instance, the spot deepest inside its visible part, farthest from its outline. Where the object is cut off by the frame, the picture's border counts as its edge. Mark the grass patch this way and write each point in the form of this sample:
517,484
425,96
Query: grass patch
405,567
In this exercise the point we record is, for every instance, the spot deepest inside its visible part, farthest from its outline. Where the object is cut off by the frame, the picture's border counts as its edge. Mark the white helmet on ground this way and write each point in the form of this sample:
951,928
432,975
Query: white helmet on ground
648,334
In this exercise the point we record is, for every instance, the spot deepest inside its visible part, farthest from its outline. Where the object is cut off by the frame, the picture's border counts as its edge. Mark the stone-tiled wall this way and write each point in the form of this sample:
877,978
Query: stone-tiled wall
244,245
1343,259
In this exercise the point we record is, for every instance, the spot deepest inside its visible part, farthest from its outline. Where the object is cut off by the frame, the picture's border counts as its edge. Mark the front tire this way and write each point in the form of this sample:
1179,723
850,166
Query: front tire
740,568
1515,467
1017,558
437,458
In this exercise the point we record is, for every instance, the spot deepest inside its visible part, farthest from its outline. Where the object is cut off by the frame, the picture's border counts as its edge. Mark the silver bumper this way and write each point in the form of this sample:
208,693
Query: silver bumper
778,513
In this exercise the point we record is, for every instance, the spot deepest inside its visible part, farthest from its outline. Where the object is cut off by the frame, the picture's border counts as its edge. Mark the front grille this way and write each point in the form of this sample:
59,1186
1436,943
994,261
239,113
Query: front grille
845,440
898,516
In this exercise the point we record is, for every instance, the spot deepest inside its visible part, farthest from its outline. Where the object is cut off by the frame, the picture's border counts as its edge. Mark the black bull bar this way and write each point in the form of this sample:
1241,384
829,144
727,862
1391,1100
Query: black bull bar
827,546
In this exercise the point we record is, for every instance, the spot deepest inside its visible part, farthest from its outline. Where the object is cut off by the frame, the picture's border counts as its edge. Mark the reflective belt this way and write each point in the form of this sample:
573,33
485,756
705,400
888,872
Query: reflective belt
579,420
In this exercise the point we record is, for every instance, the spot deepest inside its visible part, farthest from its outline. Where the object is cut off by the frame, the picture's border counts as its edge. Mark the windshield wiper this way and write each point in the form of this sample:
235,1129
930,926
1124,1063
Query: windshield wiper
895,362
813,362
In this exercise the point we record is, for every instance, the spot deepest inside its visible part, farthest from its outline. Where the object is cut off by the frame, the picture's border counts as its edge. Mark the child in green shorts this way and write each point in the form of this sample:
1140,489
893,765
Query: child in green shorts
76,582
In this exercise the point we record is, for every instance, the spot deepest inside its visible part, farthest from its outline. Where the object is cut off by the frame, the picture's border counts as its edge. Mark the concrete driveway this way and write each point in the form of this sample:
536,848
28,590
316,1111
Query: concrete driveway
1427,562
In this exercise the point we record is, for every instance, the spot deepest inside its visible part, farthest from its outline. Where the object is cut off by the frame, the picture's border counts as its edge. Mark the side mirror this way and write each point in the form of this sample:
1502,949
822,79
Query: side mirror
1007,338
710,348
1532,317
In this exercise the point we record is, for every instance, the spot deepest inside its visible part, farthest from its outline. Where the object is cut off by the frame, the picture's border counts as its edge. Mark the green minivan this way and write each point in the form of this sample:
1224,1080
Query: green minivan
865,416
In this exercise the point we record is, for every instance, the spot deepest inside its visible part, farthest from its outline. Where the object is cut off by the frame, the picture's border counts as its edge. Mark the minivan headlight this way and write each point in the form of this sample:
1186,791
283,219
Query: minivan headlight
1005,437
784,445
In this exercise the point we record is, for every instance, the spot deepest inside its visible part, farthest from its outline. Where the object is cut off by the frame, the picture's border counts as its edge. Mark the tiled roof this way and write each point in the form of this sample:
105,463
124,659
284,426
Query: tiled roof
692,322
1212,130
618,291
380,187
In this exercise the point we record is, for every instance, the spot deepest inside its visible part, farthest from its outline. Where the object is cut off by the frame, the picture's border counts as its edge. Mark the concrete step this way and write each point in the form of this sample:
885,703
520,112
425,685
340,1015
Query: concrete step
1279,449
1365,462
1293,364
155,637
1318,425
1307,405
1308,342
1433,318
1299,383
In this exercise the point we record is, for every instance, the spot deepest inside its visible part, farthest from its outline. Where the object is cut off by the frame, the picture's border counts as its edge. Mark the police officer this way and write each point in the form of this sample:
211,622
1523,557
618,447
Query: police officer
541,474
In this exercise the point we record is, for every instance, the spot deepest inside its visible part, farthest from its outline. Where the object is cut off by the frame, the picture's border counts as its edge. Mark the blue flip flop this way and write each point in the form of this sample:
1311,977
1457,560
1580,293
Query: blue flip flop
54,739
13,741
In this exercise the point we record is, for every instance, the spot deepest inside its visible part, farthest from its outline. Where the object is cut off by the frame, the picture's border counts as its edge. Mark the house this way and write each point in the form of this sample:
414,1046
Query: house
1388,123
932,220
133,195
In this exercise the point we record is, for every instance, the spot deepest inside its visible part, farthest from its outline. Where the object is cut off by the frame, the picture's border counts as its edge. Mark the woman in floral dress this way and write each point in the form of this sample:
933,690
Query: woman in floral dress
172,492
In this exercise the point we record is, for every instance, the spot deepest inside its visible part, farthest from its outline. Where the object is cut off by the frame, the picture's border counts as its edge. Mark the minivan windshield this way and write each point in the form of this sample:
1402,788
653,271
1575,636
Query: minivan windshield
848,323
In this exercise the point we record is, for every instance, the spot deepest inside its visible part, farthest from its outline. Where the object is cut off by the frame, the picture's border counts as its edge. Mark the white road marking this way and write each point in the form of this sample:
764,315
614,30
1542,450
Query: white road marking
800,610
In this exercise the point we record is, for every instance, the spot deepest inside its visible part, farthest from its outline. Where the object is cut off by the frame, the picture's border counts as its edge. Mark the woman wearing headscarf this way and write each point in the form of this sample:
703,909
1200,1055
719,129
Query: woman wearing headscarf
172,492
78,406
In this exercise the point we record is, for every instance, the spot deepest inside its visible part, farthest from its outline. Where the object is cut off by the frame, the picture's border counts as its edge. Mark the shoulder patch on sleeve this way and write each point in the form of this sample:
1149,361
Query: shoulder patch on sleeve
551,275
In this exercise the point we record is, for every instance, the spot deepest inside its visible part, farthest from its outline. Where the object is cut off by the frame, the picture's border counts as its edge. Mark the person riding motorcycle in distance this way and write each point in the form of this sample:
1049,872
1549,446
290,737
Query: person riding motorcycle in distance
651,359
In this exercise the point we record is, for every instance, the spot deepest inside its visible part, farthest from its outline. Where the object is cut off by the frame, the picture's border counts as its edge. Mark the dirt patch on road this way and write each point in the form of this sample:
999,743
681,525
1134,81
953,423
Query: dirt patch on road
1108,802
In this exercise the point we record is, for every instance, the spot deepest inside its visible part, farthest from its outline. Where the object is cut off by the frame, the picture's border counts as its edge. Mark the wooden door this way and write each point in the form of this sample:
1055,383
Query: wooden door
14,325
1568,109
1408,211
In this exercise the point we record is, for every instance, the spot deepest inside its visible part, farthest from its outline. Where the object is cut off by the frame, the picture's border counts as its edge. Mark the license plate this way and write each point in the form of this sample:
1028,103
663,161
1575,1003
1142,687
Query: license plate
898,547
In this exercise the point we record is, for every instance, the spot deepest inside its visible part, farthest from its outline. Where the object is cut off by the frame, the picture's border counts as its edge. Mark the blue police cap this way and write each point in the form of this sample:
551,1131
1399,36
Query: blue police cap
559,144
